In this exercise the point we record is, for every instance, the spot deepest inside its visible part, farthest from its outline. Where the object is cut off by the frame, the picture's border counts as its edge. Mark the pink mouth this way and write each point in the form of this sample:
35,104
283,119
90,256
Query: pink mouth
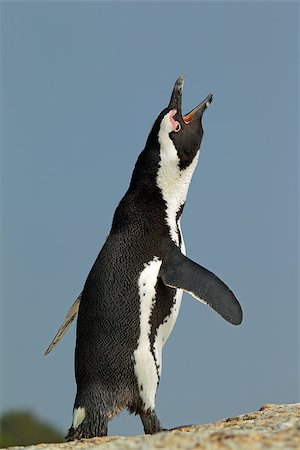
175,125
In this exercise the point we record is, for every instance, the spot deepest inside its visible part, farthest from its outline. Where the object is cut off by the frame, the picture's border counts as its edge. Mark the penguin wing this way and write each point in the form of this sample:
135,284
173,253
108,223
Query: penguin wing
67,322
180,272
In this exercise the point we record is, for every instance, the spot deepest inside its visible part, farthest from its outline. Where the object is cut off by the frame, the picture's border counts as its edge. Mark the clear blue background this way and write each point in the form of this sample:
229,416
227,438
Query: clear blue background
81,86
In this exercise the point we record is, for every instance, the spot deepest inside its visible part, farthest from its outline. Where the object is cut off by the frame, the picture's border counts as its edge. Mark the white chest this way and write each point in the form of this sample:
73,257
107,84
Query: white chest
172,181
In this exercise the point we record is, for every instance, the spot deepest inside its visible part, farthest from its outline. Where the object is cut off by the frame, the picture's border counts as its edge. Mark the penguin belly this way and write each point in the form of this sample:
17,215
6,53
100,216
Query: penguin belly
145,366
159,308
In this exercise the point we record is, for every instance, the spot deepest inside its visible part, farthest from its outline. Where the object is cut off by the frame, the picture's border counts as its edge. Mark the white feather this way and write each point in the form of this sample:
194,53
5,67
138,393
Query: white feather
145,368
78,416
172,181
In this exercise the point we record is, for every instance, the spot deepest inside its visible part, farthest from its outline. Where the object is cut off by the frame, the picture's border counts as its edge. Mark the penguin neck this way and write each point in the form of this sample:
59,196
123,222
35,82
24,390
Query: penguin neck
173,183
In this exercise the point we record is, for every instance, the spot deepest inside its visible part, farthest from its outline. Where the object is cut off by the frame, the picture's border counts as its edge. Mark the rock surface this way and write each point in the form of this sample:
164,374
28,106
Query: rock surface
272,427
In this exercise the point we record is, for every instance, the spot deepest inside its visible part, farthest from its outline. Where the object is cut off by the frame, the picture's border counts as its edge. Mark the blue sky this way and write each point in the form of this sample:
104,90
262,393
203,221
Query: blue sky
82,83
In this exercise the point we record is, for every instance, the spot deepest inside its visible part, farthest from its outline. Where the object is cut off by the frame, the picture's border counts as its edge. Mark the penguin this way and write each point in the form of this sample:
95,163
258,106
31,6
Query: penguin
132,295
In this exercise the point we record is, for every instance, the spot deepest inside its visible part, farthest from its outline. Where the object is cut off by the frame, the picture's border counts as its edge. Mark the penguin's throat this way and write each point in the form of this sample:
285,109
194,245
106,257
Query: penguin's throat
173,183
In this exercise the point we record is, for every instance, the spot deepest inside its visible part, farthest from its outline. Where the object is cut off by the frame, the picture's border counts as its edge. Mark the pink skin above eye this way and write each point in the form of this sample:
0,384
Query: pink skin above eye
175,125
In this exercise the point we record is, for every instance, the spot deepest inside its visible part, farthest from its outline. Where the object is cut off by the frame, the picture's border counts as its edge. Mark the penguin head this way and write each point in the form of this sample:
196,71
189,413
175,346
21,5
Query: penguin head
172,143
184,131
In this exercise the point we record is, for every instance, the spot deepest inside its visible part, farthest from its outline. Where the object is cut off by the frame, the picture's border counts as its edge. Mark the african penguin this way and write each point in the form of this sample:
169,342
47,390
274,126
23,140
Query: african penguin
132,296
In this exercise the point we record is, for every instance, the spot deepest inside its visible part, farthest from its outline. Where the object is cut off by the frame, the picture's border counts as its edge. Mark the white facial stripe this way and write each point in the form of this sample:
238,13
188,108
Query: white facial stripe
78,417
175,125
172,181
145,369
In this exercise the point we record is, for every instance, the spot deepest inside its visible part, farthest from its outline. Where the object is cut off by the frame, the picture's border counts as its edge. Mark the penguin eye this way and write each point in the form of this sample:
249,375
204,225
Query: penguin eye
178,127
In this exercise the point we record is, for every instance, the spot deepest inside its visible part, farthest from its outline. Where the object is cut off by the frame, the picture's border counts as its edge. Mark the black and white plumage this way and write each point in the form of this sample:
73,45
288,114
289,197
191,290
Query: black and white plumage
133,292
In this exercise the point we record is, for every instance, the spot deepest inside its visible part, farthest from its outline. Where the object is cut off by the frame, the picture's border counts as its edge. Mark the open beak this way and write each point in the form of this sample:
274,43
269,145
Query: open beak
197,112
176,103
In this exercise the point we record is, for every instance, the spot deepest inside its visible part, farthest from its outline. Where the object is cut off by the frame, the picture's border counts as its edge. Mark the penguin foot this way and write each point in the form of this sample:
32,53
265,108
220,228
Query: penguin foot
151,423
86,432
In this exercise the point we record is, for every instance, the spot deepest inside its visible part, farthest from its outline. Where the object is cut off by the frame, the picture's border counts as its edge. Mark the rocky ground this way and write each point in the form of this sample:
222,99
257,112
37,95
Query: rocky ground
272,427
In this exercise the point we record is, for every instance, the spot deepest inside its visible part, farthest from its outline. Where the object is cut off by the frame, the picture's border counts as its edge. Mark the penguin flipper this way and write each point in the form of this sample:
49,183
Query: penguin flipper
180,272
71,314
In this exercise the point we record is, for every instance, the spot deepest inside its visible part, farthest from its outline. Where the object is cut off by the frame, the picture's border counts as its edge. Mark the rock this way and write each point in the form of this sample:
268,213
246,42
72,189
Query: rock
272,427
